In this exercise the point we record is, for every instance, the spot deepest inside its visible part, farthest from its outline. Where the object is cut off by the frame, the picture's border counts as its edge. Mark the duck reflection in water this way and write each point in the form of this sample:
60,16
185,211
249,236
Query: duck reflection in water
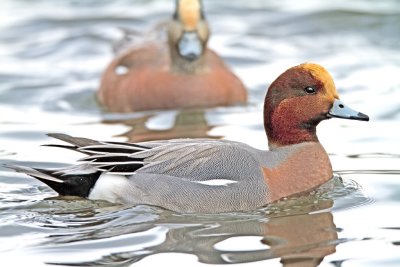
298,239
187,123
302,236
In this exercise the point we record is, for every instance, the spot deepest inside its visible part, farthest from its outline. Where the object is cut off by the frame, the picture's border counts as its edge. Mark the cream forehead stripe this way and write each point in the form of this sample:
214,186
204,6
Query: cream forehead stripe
323,75
189,13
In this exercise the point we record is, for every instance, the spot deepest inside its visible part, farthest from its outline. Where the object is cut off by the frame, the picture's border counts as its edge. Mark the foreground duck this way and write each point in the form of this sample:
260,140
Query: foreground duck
179,73
205,175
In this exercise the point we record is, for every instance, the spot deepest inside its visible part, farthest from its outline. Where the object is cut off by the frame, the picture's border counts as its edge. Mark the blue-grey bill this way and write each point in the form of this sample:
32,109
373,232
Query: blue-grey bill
190,46
341,110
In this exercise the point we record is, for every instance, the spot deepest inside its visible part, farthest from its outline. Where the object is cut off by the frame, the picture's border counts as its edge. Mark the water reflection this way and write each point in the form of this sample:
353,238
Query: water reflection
190,123
308,238
291,238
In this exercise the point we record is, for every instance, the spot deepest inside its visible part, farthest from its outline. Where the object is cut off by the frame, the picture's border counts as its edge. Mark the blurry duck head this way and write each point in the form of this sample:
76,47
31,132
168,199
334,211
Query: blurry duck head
298,100
188,35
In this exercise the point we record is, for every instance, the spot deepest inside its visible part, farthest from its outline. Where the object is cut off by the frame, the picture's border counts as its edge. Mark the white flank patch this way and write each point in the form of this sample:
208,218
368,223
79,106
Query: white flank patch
218,182
109,187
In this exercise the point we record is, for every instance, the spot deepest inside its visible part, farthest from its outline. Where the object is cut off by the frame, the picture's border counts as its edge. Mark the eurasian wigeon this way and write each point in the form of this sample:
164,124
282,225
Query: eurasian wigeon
178,73
207,175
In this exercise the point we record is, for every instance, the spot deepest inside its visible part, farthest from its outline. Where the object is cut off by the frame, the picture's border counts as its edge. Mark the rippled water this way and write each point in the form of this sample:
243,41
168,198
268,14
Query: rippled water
52,54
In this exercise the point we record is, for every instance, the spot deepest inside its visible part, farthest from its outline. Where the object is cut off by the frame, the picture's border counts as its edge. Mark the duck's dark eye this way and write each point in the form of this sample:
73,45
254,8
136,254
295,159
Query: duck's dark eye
309,90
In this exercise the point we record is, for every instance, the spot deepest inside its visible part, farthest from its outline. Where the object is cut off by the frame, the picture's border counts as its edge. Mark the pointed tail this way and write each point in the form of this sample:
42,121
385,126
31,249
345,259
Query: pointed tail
64,184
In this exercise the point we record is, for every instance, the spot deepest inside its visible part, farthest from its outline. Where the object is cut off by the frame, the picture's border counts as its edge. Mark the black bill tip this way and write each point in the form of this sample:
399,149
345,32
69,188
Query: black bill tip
360,116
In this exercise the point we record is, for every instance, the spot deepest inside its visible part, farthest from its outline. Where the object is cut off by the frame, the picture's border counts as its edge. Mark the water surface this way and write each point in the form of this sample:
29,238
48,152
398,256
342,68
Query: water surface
52,55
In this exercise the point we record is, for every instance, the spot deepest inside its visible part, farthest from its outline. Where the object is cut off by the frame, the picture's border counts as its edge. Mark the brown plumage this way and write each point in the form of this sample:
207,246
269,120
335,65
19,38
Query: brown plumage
179,73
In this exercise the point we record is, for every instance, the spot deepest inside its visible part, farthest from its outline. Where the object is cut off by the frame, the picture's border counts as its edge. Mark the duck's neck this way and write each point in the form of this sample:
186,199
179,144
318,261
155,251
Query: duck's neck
284,128
305,167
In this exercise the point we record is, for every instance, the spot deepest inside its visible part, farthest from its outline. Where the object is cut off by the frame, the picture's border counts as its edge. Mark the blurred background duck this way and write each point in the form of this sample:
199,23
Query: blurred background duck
180,72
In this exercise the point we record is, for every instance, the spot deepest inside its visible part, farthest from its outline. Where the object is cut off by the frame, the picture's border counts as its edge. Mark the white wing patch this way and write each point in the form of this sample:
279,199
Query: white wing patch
121,70
217,182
